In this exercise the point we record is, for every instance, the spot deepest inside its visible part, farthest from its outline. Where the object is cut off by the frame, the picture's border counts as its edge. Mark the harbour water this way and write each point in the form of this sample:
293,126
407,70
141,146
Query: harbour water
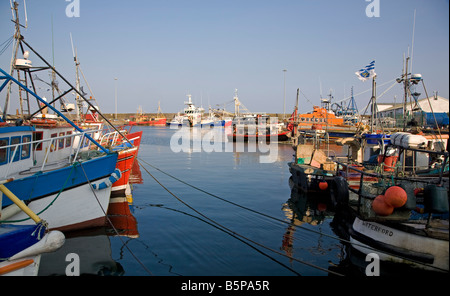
222,213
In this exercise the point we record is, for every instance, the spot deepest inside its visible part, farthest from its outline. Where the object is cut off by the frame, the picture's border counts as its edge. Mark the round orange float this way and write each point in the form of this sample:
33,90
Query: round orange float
380,207
323,185
395,196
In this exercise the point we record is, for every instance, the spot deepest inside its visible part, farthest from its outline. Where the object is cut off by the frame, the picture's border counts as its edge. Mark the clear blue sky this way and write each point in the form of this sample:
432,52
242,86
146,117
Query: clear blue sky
162,50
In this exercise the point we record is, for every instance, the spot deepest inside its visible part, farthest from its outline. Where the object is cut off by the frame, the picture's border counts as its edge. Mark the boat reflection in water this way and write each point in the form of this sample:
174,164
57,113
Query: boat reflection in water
93,246
302,209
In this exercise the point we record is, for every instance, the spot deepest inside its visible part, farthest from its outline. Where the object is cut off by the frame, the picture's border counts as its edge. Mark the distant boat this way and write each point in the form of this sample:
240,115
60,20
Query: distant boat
257,128
326,120
191,115
141,119
177,120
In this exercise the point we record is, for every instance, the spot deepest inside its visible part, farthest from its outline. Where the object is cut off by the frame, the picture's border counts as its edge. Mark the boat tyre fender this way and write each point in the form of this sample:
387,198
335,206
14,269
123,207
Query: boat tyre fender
339,192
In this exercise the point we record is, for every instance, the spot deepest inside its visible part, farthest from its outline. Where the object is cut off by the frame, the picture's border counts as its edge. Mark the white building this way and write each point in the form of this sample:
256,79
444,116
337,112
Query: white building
422,112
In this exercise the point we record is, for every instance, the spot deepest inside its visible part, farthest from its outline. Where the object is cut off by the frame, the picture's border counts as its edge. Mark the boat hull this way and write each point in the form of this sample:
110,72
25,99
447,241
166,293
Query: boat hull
125,161
74,205
124,164
400,246
307,178
281,137
155,122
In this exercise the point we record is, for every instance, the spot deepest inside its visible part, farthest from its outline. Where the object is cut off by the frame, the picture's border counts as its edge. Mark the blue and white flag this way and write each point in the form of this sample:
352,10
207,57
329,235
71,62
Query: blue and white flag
367,72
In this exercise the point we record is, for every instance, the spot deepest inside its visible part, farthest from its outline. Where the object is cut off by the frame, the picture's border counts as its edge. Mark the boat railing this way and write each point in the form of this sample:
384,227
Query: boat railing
352,166
110,138
14,153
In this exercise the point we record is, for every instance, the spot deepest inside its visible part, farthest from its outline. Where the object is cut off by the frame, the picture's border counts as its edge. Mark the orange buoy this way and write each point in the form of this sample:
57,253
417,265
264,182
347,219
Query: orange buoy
396,196
380,207
323,185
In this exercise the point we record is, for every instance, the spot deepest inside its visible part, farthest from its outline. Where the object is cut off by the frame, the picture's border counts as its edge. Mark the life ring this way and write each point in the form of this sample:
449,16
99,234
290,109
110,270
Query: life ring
339,192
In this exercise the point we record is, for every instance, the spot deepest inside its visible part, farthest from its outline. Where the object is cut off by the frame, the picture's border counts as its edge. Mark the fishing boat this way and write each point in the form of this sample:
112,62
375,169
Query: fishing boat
128,151
68,193
399,210
142,119
208,121
225,122
177,120
154,121
327,119
311,170
191,115
402,215
21,246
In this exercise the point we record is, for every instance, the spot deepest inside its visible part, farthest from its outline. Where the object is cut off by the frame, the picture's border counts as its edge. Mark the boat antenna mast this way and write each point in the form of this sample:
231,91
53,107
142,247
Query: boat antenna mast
79,103
17,37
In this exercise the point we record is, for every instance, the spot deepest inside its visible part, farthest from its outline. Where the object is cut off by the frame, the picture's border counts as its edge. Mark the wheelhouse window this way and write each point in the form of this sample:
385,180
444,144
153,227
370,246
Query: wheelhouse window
4,151
53,142
15,150
26,147
37,136
69,140
61,141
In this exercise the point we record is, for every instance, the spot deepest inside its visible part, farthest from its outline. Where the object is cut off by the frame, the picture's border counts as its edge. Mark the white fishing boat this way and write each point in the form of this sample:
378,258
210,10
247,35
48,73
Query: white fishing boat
68,192
68,188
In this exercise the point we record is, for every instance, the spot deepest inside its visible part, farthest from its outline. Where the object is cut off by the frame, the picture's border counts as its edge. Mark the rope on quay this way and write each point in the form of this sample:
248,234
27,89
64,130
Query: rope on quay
229,231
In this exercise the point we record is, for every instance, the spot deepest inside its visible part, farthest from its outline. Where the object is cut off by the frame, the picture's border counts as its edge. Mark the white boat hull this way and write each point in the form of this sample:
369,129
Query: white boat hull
76,208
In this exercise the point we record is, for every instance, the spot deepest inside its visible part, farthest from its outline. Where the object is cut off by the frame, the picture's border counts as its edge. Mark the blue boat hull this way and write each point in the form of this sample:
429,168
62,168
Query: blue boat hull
40,185
65,198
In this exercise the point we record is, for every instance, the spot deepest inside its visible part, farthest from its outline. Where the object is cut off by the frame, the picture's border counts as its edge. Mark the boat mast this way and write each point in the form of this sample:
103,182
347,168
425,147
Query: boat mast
405,89
79,107
14,56
374,104
236,103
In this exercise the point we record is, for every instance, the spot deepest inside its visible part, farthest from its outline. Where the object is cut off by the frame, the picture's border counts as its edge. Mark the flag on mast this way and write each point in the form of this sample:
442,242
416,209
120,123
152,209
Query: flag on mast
367,72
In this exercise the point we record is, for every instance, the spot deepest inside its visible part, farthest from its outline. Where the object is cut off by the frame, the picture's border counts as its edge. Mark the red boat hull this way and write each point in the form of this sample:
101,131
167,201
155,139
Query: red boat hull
125,162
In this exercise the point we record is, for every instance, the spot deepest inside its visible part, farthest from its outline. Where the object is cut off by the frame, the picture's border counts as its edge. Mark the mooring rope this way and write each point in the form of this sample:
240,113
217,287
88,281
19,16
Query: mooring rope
286,222
112,225
241,206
